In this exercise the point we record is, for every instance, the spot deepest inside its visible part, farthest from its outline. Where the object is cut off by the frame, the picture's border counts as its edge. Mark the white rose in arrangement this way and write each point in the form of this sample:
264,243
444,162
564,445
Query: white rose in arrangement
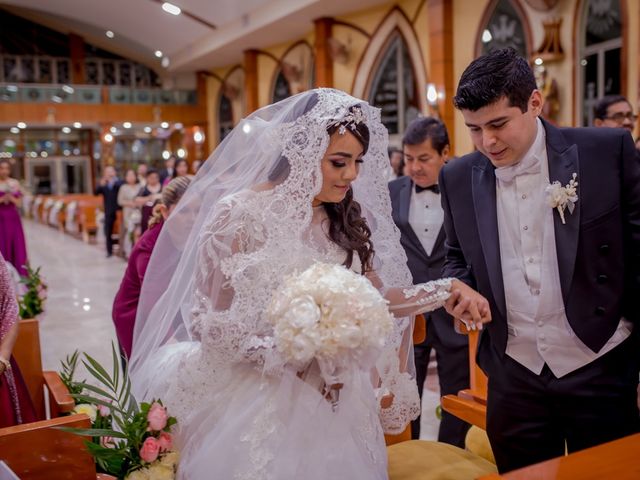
170,459
157,471
89,410
330,314
141,474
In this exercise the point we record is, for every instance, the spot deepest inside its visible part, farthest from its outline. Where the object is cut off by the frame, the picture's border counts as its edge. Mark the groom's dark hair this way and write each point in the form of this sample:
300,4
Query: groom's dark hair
501,73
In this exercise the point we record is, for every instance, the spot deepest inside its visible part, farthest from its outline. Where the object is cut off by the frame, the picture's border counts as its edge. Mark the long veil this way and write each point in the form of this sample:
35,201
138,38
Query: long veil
238,231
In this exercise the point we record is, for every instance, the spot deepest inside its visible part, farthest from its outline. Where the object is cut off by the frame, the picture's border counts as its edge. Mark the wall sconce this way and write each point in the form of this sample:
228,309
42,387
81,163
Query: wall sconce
433,96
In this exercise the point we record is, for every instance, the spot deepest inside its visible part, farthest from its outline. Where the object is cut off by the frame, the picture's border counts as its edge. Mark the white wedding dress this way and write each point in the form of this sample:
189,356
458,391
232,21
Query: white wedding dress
202,343
242,414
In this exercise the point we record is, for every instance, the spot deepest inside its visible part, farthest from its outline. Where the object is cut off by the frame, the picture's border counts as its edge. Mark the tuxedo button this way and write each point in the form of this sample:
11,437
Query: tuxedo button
540,323
525,228
543,347
602,279
542,336
604,249
600,311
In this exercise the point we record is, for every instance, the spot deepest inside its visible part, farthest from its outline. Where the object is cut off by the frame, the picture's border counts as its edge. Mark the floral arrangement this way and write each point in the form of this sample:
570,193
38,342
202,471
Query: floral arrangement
329,314
129,441
32,302
562,198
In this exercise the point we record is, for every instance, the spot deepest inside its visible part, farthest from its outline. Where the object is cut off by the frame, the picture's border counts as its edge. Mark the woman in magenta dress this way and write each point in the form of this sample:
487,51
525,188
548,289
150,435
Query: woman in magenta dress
12,245
15,403
125,304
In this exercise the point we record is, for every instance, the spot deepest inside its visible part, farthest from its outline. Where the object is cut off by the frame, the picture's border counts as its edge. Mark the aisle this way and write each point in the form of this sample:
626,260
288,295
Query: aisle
82,284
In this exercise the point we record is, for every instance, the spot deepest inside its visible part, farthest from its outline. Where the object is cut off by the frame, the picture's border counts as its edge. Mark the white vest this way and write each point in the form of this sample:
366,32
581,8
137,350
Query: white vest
539,331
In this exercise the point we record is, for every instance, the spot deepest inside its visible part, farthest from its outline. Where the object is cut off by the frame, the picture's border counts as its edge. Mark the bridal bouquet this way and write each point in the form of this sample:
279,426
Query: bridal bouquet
329,314
130,441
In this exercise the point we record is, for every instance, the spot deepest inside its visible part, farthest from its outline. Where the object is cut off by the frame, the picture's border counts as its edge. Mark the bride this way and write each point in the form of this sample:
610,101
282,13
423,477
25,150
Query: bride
296,182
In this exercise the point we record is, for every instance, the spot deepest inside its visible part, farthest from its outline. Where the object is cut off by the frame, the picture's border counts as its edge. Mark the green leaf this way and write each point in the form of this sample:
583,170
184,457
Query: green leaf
99,373
93,432
116,367
97,390
97,401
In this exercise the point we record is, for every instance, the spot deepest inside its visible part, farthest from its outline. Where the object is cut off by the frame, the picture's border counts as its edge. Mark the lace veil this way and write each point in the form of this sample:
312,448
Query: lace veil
240,228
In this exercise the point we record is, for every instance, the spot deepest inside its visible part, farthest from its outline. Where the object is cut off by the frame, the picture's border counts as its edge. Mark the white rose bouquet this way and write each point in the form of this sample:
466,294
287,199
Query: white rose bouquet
332,315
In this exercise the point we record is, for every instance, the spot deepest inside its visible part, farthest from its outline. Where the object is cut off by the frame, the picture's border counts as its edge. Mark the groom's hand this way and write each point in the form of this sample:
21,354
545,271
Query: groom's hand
468,305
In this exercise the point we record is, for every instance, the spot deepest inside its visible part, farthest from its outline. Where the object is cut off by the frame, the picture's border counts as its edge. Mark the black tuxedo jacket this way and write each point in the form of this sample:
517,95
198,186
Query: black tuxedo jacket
110,196
598,248
423,267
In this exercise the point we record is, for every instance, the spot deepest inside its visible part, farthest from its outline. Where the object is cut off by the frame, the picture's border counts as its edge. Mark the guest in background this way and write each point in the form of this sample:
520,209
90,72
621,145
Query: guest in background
396,163
195,166
147,197
167,171
12,244
415,201
126,200
109,188
15,403
126,300
142,174
180,169
614,111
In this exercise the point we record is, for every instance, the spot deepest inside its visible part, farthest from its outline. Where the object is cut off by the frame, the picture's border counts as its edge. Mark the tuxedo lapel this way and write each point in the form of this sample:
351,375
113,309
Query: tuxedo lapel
484,202
403,214
563,163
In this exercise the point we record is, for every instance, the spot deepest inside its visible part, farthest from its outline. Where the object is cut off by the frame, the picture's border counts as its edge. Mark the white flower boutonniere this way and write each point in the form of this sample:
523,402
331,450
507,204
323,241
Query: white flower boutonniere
562,198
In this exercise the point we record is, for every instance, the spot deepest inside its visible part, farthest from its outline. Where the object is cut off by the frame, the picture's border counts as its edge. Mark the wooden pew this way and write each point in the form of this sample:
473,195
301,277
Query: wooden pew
470,404
619,460
27,354
87,216
39,451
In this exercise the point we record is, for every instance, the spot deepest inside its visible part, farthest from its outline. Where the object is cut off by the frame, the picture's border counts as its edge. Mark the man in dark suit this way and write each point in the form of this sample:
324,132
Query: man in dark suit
167,171
418,214
108,188
558,262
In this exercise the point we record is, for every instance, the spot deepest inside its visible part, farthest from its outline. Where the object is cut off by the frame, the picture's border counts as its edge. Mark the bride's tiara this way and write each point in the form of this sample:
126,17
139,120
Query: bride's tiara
353,117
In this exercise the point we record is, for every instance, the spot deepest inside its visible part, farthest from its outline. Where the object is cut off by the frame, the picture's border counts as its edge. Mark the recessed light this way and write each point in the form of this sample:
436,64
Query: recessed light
14,130
181,152
158,53
171,8
68,89
147,129
77,125
109,34
113,129
66,130
21,125
166,154
108,138
163,125
126,124
12,88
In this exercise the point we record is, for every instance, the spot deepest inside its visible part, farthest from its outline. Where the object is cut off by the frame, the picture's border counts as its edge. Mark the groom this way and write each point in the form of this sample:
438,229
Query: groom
562,277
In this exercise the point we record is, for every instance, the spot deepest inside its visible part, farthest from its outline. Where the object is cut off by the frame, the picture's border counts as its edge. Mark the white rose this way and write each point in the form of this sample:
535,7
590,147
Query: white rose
89,410
170,459
157,471
303,312
140,474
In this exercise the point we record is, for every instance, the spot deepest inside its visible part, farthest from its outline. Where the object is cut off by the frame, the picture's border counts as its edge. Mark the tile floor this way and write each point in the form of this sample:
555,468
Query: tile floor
82,284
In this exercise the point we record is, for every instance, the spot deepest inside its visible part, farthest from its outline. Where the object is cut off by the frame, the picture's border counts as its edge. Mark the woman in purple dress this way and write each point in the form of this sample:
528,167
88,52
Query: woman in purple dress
125,304
15,403
12,245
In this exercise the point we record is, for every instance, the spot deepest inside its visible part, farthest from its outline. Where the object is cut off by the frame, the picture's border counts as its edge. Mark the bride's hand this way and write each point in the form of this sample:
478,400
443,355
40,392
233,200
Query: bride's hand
468,305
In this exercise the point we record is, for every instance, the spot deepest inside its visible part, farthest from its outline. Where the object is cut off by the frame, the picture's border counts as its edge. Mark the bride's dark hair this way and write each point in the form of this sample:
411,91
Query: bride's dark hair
347,227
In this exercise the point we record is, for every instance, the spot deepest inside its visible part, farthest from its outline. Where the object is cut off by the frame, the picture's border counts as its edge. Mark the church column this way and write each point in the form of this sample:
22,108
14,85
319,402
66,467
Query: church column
440,70
322,52
76,47
251,80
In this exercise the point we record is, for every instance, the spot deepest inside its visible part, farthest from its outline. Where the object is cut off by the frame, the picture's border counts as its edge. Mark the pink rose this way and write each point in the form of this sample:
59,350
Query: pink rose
157,417
104,410
165,441
150,449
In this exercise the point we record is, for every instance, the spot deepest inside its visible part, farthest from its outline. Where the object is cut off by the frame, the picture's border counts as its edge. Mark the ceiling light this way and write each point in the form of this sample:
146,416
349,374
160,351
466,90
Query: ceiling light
178,126
56,99
66,152
158,53
538,61
68,89
66,130
12,88
109,34
171,8
147,129
126,124
77,125
44,154
163,125
198,136
165,62
181,152
113,129
166,154
14,130
21,125
108,138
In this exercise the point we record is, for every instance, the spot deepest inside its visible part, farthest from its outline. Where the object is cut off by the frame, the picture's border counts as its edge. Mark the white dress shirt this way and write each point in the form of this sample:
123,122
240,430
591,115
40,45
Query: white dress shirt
426,217
538,329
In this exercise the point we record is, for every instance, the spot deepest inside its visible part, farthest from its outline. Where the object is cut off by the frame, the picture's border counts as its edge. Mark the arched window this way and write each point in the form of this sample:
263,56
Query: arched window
505,28
600,56
393,89
281,88
225,116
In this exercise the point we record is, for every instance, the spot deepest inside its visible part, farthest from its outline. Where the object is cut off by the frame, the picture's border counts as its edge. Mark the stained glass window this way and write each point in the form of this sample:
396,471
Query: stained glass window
504,29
